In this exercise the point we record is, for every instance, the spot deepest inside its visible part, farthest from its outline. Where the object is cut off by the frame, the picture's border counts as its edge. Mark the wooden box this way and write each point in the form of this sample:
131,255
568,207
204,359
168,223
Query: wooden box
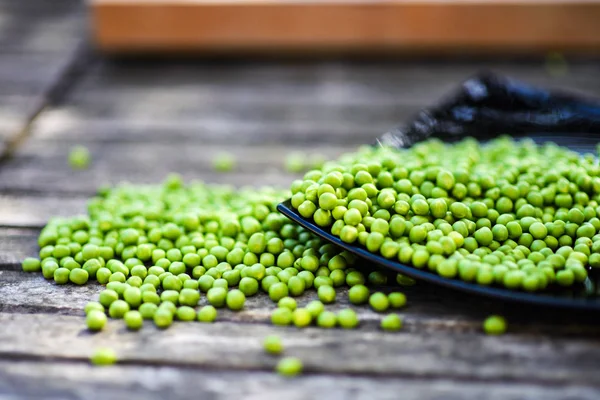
354,26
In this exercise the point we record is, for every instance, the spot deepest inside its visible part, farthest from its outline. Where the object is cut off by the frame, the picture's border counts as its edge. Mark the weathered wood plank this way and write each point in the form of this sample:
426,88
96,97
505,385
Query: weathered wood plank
30,73
78,380
323,92
16,244
40,166
32,26
31,293
284,127
430,309
35,211
236,346
325,79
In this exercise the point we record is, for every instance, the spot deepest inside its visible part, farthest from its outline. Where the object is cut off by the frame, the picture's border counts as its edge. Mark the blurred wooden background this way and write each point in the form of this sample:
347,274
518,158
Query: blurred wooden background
351,26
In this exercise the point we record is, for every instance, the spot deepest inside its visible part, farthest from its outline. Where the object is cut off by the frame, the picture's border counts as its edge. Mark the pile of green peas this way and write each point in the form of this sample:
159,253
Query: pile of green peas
509,213
159,248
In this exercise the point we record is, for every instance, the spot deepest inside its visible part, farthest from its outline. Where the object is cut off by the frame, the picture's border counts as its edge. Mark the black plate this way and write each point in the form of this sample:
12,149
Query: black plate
585,296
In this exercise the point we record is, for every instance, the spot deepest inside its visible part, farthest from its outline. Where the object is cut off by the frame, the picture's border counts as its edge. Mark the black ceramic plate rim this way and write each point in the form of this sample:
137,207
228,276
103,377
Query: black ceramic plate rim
489,291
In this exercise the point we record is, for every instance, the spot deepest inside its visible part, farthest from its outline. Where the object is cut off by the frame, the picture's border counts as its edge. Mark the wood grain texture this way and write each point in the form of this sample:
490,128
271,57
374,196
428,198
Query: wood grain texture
139,382
31,293
32,26
39,166
430,309
359,26
15,245
37,43
234,346
35,211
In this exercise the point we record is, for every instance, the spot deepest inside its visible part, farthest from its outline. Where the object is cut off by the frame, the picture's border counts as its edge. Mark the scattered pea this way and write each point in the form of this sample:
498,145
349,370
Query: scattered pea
273,345
494,325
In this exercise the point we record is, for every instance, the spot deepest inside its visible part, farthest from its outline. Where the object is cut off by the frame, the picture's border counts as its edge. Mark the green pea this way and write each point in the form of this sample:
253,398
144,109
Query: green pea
379,302
281,316
273,344
103,356
147,310
397,299
391,322
315,308
347,318
494,325
326,319
326,294
277,291
31,264
95,320
133,320
186,313
216,296
61,276
79,276
163,318
235,300
118,308
301,317
133,296
248,286
189,297
289,367
207,314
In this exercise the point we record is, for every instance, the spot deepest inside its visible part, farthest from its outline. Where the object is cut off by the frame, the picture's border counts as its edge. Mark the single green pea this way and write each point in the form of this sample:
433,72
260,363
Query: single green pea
103,357
403,280
207,314
216,297
379,302
31,264
95,320
133,320
147,310
281,316
79,276
277,291
301,317
326,319
358,294
397,299
326,294
287,302
273,344
289,367
170,295
189,297
186,313
163,317
391,322
494,325
347,318
249,286
61,276
235,300
133,296
118,308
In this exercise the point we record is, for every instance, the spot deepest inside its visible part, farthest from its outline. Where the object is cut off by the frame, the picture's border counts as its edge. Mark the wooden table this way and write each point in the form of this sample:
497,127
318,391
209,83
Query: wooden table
142,120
